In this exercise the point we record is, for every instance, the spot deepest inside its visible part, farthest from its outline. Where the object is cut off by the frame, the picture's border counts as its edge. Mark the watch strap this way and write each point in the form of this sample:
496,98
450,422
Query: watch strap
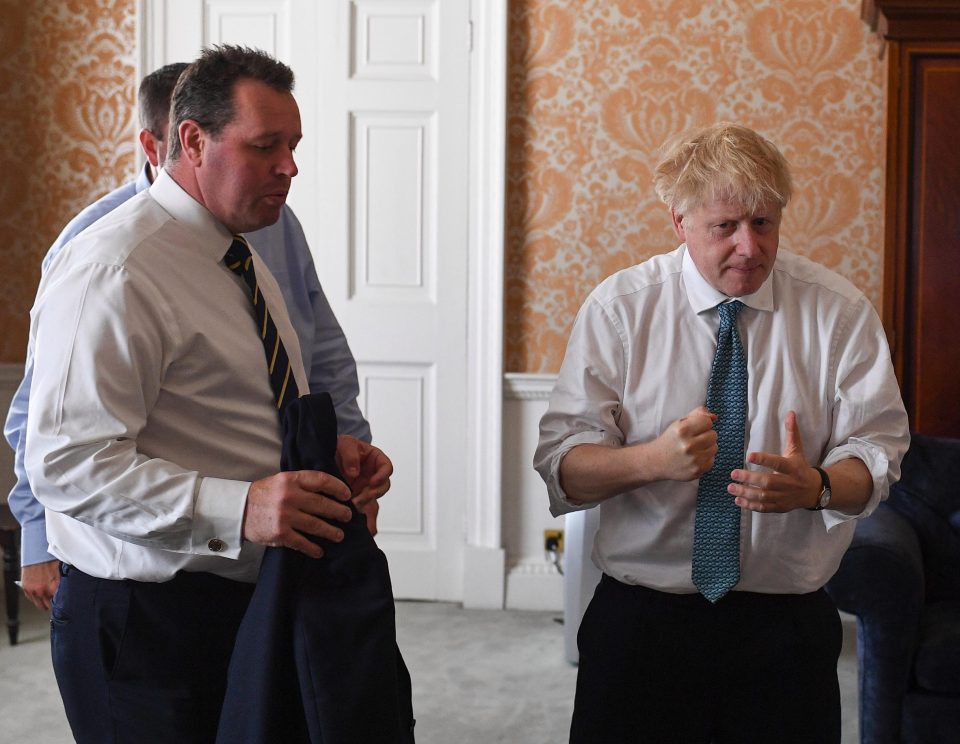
824,490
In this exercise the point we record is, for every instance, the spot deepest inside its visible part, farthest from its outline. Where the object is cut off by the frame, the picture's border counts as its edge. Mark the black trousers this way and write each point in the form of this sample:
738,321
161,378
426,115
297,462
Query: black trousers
144,663
752,669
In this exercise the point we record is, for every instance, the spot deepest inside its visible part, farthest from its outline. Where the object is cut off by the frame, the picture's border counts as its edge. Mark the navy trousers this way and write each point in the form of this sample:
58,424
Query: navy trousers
752,669
316,658
144,663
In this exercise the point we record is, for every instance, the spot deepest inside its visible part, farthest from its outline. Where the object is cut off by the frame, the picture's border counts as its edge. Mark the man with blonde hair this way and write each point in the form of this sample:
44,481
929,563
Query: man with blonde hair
732,410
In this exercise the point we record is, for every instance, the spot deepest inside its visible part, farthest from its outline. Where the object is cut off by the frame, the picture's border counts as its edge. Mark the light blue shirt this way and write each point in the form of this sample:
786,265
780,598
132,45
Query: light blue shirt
327,358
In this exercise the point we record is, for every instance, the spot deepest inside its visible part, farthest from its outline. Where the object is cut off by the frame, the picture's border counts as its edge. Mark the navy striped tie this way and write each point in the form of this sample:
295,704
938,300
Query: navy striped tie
716,534
239,261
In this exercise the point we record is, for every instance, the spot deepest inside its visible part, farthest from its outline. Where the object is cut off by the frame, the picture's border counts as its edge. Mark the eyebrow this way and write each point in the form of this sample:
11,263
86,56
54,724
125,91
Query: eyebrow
739,217
274,134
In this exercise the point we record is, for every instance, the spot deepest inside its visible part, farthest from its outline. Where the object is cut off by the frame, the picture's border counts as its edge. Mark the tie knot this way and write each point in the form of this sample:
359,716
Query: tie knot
237,255
729,312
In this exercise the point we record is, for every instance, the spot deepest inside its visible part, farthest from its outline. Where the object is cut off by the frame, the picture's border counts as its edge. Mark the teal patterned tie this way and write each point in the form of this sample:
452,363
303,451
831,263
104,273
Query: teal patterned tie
716,533
239,260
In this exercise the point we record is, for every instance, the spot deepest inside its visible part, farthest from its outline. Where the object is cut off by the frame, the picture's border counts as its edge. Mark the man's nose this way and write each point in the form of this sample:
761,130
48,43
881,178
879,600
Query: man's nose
288,165
747,241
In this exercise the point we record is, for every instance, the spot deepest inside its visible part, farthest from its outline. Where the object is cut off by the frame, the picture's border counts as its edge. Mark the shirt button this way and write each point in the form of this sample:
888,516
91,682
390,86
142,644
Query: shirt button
216,544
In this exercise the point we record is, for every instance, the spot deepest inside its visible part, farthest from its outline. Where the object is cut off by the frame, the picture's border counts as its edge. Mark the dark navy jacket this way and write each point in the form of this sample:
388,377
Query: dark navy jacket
316,657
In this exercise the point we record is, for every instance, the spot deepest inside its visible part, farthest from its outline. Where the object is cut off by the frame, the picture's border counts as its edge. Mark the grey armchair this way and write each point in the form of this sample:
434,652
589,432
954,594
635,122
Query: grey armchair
901,578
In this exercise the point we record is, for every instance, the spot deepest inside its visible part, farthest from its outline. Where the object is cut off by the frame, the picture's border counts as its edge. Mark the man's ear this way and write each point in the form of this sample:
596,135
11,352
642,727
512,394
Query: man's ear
677,220
149,143
192,140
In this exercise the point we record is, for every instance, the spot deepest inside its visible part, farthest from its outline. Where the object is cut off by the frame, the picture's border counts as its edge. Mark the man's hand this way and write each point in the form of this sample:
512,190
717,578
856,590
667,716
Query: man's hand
366,468
792,484
39,582
370,512
593,472
283,506
687,448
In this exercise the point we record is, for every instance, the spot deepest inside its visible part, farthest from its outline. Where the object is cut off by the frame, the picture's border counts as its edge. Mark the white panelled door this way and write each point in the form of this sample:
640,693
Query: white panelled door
387,220
383,196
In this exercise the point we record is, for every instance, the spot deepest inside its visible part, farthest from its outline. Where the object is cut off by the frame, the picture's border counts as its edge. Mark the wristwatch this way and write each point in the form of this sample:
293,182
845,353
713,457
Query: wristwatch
825,493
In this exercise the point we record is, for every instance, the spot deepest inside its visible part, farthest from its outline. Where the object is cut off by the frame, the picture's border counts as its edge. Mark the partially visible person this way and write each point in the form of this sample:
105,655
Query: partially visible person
283,246
153,437
732,410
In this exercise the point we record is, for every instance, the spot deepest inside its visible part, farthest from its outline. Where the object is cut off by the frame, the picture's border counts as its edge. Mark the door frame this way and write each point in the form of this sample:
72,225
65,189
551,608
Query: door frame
484,571
484,557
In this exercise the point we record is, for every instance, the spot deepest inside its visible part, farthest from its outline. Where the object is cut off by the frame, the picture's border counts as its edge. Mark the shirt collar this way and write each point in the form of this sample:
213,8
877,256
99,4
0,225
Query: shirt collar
212,237
704,297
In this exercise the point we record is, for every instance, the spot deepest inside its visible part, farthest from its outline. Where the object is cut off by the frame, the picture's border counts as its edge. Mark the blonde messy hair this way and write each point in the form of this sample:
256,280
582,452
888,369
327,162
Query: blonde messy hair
723,161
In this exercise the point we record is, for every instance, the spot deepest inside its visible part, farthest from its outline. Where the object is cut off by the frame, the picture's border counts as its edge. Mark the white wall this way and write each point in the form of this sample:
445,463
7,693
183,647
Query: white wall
532,582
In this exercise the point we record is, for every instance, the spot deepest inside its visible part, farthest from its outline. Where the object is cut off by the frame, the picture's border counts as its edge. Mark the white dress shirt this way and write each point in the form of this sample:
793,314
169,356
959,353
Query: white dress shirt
326,354
151,409
639,358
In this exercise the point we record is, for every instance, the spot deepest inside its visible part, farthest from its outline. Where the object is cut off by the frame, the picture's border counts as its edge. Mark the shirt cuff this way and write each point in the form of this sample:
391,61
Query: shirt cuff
33,543
559,501
879,466
218,517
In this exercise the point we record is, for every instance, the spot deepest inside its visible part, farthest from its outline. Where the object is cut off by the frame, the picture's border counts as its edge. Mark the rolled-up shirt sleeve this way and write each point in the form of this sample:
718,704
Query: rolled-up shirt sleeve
869,420
101,348
586,402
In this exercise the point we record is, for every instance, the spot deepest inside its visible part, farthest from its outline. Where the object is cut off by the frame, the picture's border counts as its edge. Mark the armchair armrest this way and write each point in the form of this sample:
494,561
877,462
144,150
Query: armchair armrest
880,580
882,570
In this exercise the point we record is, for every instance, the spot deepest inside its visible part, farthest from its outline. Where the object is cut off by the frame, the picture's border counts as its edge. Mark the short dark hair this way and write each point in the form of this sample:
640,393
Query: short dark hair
204,92
153,97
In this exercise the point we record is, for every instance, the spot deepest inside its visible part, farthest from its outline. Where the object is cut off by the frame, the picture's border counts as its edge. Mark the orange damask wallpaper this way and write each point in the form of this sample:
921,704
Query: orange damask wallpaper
67,126
596,86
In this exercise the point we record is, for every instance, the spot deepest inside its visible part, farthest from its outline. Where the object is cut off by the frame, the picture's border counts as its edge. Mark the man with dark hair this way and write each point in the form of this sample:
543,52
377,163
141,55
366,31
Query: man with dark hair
153,101
283,247
153,439
204,94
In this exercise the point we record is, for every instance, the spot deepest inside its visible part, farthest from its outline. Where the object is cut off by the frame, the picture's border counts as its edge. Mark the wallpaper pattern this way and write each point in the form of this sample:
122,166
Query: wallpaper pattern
596,86
67,118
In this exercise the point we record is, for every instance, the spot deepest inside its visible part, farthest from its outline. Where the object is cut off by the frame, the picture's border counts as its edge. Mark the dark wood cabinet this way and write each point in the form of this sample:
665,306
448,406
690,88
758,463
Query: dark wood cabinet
921,289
